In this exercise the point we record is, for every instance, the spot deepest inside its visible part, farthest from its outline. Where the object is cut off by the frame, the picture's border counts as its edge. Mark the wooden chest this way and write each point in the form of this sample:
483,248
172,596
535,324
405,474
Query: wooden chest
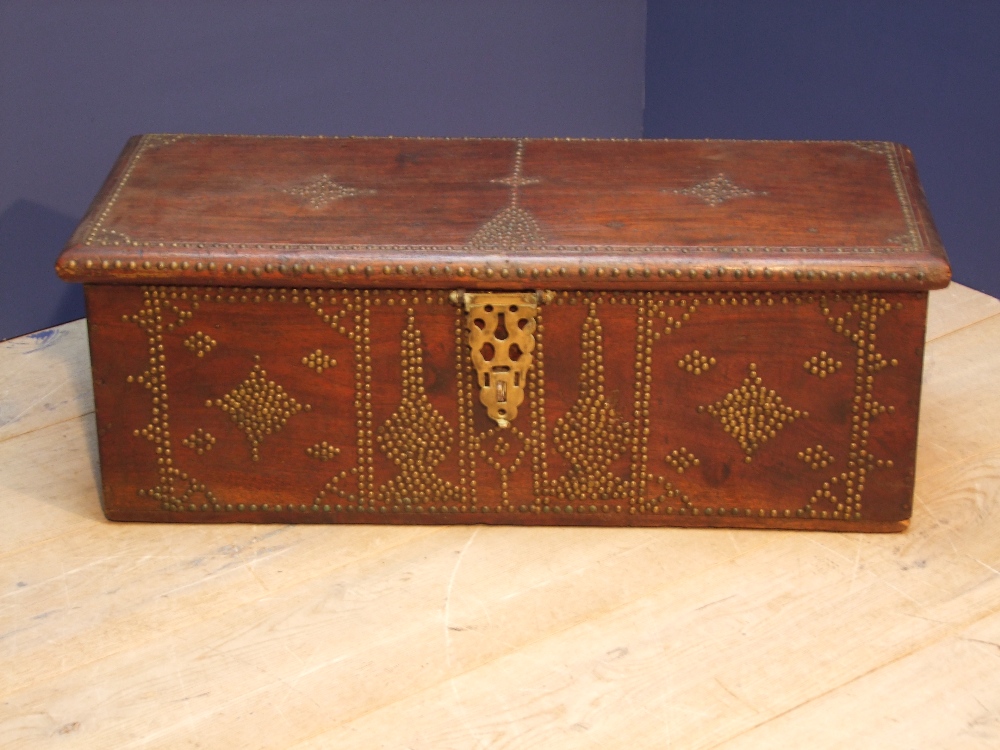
697,333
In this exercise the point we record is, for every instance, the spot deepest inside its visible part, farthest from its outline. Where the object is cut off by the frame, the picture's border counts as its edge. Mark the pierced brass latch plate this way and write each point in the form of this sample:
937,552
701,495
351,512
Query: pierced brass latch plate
501,329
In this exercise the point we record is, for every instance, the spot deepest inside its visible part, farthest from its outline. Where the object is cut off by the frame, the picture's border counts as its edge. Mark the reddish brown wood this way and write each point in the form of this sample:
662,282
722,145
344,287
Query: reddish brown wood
273,336
573,214
276,329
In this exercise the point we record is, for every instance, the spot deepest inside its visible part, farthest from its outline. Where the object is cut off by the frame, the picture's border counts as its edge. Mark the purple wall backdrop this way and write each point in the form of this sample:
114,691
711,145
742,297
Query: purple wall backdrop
78,78
924,72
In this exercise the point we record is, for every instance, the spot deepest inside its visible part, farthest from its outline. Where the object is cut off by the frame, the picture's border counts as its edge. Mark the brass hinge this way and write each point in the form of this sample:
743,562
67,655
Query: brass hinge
501,329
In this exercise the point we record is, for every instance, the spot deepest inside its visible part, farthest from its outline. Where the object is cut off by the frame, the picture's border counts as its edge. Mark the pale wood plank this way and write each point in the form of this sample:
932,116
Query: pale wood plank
893,707
714,656
49,482
960,404
955,307
336,638
779,620
946,695
44,379
111,587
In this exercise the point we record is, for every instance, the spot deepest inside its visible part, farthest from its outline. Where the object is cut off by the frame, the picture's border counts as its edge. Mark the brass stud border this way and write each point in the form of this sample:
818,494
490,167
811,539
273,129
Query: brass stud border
629,277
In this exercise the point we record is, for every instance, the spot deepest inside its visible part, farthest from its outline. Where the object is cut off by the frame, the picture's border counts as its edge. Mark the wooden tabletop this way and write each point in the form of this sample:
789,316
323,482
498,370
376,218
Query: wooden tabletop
185,636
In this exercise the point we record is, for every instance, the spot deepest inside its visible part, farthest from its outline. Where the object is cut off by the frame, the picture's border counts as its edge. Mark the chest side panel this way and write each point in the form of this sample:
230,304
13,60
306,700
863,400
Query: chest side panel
652,408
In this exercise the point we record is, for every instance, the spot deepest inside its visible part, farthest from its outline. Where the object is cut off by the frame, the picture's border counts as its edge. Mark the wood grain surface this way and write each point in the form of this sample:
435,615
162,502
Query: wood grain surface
510,214
298,636
793,410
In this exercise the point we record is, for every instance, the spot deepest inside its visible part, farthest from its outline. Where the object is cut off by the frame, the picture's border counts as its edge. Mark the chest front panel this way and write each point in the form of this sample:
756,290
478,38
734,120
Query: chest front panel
639,408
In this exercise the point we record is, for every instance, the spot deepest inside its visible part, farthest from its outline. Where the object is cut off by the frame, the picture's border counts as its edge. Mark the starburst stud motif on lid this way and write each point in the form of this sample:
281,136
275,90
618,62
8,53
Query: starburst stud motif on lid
324,190
717,191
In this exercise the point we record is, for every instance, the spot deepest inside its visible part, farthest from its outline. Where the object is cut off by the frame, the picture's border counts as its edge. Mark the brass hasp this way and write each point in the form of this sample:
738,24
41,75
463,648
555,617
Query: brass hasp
501,329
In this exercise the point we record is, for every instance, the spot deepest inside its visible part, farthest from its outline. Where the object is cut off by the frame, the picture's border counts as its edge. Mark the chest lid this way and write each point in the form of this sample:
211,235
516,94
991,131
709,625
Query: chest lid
509,214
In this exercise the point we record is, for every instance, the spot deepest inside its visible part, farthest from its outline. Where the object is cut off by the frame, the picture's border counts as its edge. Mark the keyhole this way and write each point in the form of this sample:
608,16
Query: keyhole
501,332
